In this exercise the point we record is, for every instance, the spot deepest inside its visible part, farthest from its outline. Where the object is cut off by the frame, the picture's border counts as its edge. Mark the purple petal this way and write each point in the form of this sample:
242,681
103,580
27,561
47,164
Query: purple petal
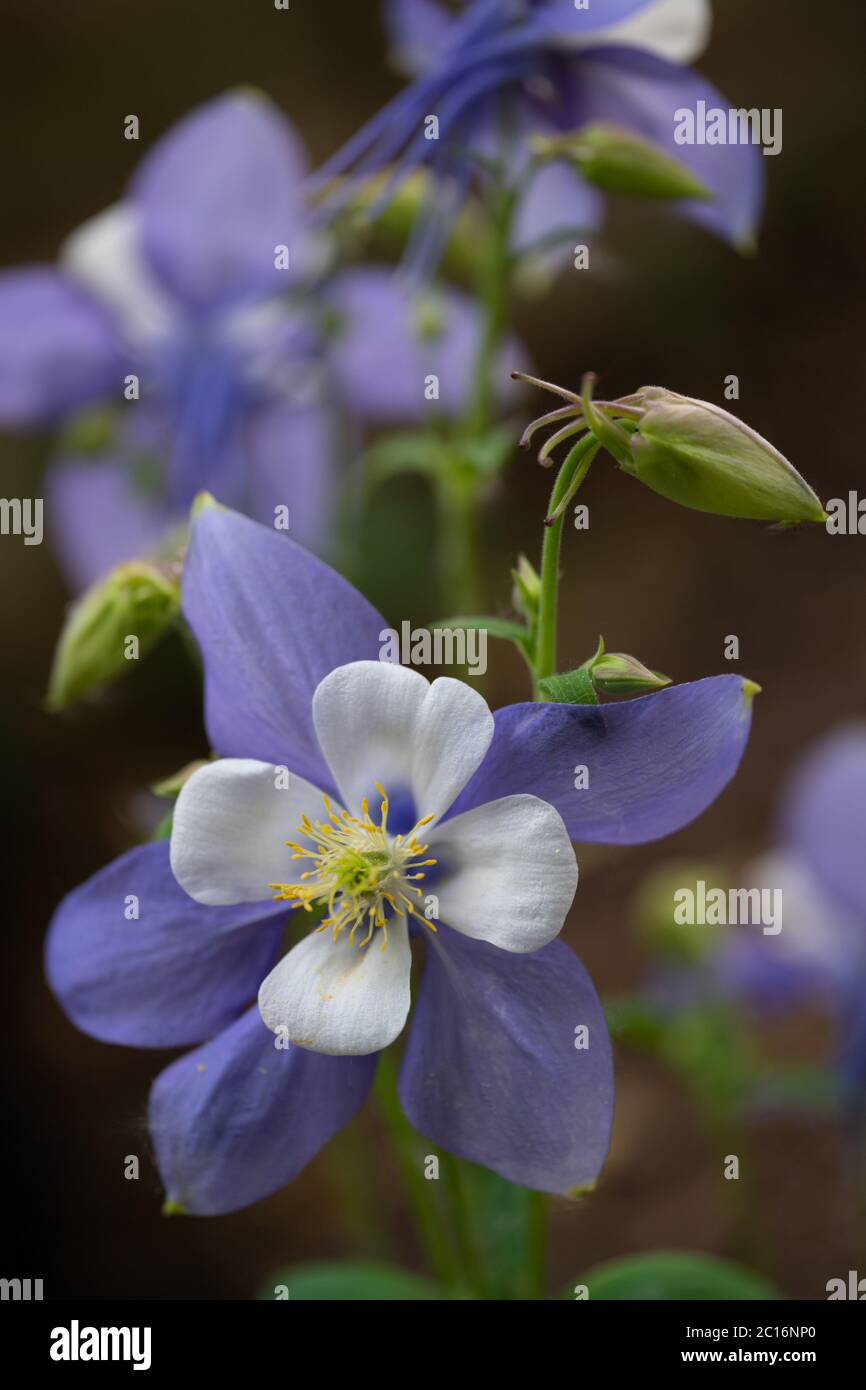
755,968
492,1071
176,975
643,93
653,764
216,196
99,519
556,206
419,32
565,21
239,1118
824,813
291,451
383,354
271,621
59,349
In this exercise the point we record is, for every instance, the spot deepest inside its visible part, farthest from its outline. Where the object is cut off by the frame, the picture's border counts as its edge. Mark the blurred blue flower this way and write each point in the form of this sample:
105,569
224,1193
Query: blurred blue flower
819,866
491,1069
207,283
501,71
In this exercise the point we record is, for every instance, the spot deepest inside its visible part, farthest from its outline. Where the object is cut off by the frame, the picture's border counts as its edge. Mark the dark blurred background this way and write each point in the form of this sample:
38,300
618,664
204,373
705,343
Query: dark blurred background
666,305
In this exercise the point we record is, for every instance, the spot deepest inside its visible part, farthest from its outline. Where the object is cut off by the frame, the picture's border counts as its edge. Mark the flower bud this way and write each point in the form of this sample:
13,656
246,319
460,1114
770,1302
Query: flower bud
618,161
699,455
135,601
615,673
527,588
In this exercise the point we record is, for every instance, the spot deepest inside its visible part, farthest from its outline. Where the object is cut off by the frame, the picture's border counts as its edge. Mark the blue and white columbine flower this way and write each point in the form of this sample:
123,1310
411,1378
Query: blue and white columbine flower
412,773
502,71
242,348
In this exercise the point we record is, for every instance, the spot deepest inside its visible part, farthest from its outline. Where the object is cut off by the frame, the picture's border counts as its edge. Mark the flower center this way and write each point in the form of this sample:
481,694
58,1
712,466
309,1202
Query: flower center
359,872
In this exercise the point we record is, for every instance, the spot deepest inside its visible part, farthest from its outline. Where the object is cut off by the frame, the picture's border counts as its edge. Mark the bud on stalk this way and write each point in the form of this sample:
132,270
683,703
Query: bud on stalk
699,455
135,600
618,161
687,450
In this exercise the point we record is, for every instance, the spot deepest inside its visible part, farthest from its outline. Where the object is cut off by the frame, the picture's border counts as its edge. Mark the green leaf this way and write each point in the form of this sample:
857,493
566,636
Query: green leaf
346,1282
572,688
671,1275
496,627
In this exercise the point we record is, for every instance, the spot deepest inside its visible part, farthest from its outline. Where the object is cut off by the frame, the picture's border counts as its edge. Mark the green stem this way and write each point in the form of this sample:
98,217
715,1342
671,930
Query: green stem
536,1266
459,487
470,1261
350,1162
457,499
436,1244
492,293
569,479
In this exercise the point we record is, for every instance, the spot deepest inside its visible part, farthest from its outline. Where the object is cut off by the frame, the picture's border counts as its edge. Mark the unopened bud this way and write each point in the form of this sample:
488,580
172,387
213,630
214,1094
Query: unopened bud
615,673
527,588
618,161
136,600
701,456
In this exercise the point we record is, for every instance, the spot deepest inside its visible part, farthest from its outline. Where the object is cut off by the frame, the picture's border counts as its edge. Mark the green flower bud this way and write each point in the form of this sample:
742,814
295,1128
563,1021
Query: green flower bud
527,589
701,456
618,161
118,619
385,230
615,673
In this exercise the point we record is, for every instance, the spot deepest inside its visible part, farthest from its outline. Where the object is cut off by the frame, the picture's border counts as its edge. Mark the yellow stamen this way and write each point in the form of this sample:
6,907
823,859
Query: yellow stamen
357,869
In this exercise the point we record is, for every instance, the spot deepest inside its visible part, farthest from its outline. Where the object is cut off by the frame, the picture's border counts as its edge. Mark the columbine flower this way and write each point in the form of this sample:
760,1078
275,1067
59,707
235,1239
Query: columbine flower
505,71
818,867
490,1070
240,361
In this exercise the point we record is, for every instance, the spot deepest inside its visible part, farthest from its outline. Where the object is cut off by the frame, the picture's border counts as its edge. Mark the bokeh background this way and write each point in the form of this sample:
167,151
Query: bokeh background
663,304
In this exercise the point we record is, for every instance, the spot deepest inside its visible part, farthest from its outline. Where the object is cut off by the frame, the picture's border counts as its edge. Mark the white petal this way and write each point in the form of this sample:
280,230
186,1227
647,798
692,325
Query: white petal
678,30
509,872
103,255
377,722
230,827
346,1000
